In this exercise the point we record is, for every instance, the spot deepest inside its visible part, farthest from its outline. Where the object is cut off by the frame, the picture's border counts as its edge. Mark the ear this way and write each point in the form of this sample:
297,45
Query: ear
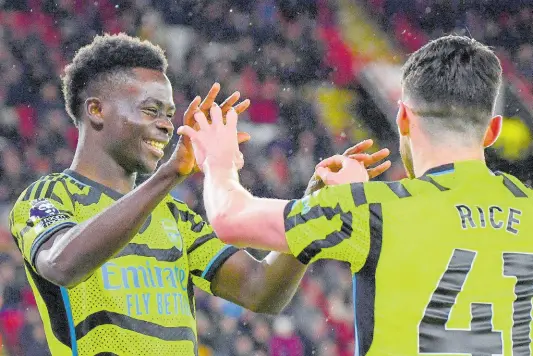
493,131
402,119
93,110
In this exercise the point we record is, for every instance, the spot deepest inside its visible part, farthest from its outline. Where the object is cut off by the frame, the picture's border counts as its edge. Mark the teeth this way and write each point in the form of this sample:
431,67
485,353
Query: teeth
158,145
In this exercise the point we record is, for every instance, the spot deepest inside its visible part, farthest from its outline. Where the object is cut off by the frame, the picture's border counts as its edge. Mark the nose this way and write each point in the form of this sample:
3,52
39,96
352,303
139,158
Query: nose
166,126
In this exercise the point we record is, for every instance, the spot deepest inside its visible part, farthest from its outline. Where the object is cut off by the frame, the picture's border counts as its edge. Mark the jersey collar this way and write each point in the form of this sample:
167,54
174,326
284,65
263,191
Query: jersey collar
86,181
468,167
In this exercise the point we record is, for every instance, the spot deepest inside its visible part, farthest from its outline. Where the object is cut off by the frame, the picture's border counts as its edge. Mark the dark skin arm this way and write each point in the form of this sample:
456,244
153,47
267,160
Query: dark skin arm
267,286
72,255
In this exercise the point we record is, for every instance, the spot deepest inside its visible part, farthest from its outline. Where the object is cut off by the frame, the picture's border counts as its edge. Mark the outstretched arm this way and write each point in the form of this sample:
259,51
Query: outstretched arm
238,217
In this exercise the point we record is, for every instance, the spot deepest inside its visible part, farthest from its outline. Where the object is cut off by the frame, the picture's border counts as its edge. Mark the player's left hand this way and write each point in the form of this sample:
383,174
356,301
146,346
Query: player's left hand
184,151
356,152
215,143
340,169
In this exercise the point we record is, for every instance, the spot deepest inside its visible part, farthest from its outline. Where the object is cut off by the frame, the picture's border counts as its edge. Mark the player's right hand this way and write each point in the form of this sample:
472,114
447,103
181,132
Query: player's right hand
183,156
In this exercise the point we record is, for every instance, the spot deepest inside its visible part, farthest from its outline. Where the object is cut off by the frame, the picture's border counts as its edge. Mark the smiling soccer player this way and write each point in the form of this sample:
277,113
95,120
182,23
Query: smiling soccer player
113,266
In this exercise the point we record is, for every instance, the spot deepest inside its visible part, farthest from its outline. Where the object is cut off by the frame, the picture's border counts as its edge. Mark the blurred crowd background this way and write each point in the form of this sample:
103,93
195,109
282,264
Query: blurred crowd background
321,75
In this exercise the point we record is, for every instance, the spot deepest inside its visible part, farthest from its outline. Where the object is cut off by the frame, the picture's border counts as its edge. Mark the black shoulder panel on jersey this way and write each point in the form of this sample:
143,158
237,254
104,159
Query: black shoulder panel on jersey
332,239
185,216
429,179
92,197
29,190
315,212
398,189
166,255
200,241
358,193
365,282
513,188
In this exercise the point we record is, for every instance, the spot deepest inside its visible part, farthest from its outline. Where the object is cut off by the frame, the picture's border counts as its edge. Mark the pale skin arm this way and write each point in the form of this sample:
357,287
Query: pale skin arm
237,216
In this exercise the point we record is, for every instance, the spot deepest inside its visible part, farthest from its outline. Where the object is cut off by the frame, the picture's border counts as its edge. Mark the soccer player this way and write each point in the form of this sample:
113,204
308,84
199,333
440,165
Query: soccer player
113,267
442,261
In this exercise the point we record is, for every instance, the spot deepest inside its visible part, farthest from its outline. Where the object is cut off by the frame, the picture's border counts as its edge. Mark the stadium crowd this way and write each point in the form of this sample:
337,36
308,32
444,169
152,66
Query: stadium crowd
269,50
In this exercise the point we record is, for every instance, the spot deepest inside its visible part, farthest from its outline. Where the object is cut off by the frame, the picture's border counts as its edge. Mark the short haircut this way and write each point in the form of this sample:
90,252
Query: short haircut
105,57
453,83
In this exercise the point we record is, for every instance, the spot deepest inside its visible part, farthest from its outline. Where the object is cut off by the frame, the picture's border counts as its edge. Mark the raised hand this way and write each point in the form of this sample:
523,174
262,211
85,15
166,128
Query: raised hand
356,152
215,142
184,153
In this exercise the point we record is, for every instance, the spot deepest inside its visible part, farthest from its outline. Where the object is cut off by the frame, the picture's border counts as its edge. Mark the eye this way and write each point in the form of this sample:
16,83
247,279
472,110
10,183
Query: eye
150,111
170,115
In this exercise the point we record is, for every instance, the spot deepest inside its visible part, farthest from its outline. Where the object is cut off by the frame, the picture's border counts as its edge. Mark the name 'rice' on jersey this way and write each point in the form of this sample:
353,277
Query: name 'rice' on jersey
442,264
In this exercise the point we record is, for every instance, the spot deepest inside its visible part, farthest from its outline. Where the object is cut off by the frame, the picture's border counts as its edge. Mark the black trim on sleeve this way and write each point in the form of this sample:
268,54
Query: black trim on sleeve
219,261
45,236
513,188
365,279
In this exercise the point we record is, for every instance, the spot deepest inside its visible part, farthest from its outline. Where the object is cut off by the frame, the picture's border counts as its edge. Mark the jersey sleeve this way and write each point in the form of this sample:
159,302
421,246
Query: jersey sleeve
206,253
333,223
43,208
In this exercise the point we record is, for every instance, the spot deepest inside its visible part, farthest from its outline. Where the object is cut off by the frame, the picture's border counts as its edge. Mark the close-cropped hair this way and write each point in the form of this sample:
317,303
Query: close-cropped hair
453,82
106,56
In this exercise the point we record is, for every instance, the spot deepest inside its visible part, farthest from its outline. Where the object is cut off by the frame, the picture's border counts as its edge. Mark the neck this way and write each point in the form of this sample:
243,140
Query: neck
438,155
100,167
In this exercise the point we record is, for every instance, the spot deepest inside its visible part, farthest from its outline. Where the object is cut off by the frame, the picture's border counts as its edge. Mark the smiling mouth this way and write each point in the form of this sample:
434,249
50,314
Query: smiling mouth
156,146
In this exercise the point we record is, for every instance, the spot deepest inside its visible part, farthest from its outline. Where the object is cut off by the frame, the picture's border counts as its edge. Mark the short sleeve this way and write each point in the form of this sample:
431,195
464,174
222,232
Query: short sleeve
333,223
42,209
206,253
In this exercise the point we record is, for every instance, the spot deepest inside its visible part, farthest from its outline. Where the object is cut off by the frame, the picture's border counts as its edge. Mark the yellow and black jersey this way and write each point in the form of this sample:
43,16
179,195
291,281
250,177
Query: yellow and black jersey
140,302
442,264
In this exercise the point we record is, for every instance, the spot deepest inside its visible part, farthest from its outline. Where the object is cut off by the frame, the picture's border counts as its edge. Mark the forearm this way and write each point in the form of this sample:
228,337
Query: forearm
282,273
239,218
263,286
87,246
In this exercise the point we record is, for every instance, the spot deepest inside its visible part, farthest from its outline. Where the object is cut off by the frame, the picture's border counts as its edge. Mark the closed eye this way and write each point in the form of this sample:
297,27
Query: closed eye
150,111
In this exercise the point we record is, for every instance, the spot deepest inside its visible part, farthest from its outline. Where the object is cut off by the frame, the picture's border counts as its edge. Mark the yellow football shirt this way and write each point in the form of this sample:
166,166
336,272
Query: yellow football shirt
442,264
140,302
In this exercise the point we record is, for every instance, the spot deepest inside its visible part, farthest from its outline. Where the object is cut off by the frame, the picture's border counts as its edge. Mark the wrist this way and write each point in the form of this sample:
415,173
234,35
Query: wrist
219,167
168,173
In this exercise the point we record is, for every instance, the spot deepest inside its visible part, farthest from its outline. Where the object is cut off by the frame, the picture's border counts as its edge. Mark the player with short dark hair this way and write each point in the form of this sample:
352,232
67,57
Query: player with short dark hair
442,261
113,266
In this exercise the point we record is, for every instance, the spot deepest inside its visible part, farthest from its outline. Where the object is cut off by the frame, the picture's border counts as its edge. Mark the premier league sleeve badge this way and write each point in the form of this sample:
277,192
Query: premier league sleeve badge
44,213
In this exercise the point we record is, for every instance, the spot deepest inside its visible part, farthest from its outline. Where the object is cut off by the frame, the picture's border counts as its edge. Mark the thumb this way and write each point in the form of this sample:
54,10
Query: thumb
324,174
187,131
243,137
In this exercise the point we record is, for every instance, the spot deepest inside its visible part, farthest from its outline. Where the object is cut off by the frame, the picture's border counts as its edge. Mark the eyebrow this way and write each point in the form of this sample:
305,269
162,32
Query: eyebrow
157,102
